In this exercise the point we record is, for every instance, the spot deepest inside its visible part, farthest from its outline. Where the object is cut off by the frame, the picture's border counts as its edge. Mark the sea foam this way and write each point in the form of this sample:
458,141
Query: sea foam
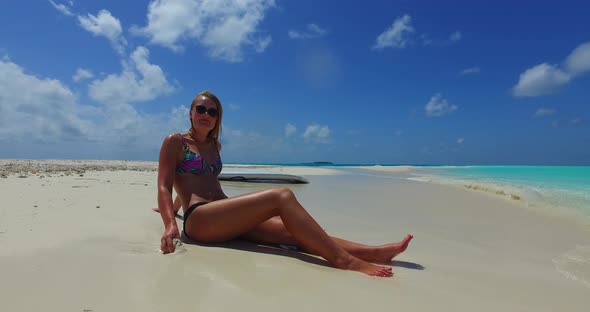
575,264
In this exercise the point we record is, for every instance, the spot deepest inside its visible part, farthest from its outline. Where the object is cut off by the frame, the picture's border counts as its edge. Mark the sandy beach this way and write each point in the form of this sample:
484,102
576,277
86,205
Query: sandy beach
80,236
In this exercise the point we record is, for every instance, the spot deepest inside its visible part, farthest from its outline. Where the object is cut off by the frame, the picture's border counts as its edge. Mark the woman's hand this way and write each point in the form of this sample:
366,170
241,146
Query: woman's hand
167,243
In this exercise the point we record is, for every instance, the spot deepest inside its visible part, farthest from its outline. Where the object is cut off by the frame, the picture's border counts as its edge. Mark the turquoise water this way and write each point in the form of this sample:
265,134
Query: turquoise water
554,186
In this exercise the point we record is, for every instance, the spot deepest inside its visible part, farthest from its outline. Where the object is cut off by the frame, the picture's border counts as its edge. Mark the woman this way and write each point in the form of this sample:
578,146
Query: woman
191,163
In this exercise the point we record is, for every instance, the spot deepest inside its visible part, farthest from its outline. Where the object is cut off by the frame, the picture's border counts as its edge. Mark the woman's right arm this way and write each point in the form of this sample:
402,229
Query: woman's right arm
166,169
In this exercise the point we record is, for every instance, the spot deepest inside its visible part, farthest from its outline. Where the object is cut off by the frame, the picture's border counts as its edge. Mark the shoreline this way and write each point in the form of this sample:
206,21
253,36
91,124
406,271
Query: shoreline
24,168
523,195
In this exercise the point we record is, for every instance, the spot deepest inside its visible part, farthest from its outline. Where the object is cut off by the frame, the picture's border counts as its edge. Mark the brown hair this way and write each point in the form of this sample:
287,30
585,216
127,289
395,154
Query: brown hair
215,133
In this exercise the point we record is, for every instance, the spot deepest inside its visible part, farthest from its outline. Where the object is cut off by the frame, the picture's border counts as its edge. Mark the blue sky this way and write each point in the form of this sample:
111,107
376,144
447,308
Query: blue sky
390,82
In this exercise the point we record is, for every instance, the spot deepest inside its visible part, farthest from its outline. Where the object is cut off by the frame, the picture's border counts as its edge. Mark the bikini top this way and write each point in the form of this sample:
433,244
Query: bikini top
195,164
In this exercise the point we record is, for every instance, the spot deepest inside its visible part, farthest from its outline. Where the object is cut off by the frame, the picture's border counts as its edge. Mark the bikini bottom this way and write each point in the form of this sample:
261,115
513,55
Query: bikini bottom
188,213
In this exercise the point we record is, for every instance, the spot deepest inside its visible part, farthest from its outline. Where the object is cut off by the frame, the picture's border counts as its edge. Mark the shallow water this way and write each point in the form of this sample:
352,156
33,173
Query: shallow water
555,187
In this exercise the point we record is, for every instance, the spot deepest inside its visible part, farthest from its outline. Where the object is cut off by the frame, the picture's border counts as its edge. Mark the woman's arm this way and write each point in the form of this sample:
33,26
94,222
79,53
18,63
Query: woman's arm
166,170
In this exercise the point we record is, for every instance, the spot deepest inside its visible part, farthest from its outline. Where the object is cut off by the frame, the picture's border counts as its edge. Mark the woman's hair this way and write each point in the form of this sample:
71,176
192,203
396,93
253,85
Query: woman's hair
215,133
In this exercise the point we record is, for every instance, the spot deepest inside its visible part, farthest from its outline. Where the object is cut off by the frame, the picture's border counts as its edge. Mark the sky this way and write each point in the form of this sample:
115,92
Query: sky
371,82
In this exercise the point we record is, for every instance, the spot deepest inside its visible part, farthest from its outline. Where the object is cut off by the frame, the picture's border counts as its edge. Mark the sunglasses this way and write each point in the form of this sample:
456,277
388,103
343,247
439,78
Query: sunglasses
200,109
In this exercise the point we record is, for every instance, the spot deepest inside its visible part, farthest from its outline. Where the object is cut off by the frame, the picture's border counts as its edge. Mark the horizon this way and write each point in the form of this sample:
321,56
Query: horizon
405,83
312,164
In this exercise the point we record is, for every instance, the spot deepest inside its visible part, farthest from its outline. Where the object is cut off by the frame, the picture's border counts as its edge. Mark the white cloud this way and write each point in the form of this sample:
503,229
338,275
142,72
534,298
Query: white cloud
82,74
567,121
470,71
46,114
426,40
317,133
545,78
437,41
127,87
542,112
399,132
38,108
62,8
438,106
105,25
578,61
234,106
253,146
234,132
262,44
179,120
397,35
34,110
456,36
539,80
290,129
311,31
225,27
460,140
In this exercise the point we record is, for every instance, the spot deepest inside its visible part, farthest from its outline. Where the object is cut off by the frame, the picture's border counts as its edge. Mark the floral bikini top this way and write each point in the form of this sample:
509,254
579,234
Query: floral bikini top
195,164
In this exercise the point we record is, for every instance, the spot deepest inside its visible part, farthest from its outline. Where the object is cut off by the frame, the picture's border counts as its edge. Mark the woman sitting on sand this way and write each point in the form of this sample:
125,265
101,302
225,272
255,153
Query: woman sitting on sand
191,163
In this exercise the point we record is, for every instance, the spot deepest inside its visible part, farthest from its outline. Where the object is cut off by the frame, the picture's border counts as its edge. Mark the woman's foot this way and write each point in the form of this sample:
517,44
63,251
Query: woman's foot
385,253
354,264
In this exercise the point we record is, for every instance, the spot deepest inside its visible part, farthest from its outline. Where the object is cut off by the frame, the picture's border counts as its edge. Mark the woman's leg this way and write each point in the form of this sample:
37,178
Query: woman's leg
273,231
229,218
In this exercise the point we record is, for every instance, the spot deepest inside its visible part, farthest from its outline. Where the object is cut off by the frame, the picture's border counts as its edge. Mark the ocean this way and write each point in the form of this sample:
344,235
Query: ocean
558,188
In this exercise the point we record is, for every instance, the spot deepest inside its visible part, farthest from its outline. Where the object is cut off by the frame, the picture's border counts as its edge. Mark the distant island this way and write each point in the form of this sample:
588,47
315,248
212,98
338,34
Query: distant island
319,163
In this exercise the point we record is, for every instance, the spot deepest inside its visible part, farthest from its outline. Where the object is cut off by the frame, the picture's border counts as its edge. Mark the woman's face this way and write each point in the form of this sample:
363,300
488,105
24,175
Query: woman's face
201,114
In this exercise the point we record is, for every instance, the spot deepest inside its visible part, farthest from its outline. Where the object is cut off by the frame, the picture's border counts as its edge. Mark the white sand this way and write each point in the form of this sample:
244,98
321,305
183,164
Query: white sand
76,243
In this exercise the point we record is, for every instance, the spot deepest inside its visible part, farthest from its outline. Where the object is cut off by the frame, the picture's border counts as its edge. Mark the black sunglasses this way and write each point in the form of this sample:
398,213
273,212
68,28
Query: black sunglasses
201,109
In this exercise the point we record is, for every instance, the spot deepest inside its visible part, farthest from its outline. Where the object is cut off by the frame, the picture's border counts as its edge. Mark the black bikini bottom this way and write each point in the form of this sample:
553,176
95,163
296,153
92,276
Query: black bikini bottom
188,213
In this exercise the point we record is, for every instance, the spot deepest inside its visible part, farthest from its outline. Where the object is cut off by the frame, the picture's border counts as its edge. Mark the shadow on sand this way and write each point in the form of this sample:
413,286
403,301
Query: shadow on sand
284,251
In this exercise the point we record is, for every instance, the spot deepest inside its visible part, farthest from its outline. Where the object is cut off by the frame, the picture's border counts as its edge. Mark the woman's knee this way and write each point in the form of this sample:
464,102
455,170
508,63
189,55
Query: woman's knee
283,195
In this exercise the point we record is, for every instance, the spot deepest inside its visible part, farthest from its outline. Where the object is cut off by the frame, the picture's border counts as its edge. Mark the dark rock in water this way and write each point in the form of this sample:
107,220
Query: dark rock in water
319,163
